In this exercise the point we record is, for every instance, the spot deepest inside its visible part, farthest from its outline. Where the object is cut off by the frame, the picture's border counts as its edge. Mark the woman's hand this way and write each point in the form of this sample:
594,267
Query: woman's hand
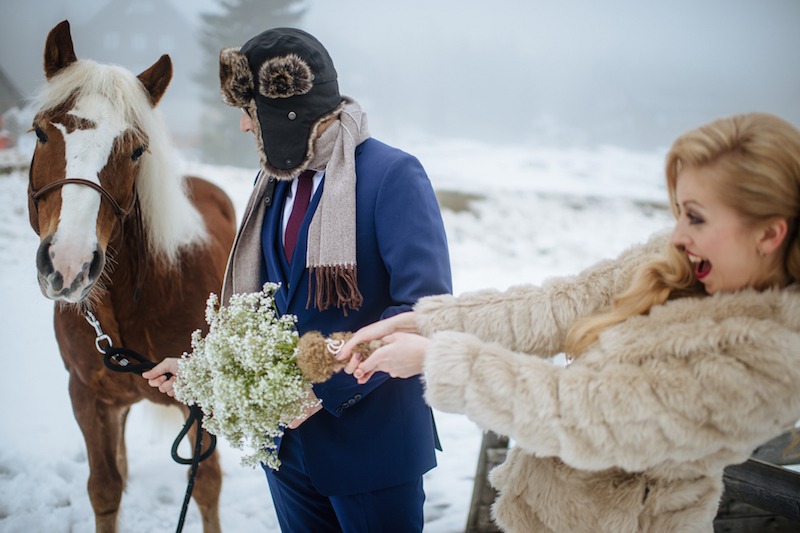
401,356
157,376
402,322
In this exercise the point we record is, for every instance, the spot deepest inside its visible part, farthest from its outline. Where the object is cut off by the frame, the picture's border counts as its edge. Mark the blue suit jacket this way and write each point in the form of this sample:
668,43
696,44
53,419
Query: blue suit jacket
380,434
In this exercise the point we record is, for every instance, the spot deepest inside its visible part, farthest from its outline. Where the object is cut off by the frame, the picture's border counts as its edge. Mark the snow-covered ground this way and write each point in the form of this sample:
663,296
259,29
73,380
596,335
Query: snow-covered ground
530,213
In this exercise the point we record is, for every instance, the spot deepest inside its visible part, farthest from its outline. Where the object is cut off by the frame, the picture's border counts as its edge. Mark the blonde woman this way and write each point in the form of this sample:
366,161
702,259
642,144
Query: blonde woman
685,351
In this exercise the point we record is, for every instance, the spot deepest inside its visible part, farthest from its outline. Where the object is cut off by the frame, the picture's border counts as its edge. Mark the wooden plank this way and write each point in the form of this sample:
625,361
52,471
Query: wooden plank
764,485
754,524
761,496
493,452
777,451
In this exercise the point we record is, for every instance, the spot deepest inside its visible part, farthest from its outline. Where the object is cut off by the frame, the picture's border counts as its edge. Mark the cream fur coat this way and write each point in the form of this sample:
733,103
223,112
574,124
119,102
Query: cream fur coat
634,435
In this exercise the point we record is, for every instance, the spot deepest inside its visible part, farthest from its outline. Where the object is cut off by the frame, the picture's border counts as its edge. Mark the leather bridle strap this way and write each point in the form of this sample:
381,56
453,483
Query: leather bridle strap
121,213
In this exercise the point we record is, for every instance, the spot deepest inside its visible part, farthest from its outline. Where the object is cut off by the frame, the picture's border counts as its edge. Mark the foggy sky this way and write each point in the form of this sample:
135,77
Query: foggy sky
629,72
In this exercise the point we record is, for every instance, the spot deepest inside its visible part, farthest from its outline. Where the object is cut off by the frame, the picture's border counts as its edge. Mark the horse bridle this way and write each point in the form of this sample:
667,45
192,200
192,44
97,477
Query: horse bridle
121,214
34,195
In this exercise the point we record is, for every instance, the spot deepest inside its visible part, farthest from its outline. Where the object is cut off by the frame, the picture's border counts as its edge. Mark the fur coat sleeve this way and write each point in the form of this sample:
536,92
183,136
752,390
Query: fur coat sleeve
529,318
697,379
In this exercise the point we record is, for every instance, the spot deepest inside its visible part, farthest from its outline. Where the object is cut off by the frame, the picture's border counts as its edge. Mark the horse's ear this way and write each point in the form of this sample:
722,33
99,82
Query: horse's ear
156,78
58,50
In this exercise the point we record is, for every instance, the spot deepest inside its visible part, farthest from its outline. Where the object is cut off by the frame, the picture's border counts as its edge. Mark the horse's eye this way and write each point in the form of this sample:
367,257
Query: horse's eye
137,153
40,134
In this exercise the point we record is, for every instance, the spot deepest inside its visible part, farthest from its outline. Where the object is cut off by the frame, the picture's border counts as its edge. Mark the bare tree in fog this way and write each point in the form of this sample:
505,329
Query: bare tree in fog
239,20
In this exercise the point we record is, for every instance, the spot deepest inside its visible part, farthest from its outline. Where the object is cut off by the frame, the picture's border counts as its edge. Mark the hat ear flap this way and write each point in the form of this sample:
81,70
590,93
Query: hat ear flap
284,77
235,78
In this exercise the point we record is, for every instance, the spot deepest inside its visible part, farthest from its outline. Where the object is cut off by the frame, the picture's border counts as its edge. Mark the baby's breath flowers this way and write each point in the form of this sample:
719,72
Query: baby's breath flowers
244,375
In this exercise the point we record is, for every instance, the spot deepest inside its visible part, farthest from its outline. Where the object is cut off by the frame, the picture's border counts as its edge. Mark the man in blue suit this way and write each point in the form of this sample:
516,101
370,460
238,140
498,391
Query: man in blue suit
352,231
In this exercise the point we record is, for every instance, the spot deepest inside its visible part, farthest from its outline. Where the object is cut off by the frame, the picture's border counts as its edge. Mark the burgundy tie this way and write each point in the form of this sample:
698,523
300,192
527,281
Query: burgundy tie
302,197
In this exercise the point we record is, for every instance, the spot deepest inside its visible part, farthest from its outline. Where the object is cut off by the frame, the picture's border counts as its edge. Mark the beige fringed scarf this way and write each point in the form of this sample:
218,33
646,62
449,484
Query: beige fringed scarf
331,257
331,253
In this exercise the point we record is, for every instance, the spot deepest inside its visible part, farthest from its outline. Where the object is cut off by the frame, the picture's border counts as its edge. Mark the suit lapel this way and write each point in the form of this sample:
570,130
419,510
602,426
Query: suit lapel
272,245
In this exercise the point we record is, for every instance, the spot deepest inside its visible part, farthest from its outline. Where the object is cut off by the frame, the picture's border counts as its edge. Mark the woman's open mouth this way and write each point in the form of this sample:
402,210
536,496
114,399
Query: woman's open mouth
702,267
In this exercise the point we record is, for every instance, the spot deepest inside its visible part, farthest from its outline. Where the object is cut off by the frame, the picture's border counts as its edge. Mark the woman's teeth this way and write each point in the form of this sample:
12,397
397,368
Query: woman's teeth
701,266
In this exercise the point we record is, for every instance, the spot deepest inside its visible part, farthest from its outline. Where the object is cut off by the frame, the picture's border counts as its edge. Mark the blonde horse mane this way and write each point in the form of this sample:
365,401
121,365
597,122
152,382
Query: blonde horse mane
170,221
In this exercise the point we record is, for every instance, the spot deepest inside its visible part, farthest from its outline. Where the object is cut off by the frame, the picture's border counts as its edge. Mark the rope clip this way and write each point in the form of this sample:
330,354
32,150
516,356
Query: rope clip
101,337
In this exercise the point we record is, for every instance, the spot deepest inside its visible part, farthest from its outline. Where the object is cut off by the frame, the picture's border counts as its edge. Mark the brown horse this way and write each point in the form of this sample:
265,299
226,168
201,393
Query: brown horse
124,235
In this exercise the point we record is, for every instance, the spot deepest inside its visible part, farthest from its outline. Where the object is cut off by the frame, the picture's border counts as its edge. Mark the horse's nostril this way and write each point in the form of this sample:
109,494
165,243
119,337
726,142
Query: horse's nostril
97,265
44,262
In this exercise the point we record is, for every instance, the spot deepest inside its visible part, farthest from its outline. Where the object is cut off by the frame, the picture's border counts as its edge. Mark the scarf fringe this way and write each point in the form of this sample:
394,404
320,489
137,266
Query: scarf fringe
335,285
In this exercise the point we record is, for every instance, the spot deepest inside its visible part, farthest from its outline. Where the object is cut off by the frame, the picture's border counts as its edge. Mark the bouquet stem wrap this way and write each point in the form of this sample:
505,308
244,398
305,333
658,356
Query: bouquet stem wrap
316,354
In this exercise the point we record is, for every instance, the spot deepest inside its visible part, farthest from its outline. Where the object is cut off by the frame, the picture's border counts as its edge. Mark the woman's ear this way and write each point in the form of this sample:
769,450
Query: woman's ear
772,236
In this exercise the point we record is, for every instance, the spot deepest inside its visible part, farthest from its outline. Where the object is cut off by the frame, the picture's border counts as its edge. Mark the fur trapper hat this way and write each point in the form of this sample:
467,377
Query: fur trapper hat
286,81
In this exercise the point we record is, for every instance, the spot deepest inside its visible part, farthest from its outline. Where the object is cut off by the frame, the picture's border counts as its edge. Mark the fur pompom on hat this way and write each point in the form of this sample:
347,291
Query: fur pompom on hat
285,79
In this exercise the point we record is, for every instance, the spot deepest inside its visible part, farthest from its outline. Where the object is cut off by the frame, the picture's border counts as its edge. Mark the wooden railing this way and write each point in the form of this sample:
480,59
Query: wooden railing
761,495
493,452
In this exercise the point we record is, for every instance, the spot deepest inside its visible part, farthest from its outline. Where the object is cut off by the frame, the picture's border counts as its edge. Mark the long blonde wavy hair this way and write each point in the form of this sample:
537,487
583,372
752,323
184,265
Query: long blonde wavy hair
759,155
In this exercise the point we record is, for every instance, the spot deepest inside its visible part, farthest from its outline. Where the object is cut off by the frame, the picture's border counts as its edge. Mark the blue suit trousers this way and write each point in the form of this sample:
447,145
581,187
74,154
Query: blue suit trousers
302,509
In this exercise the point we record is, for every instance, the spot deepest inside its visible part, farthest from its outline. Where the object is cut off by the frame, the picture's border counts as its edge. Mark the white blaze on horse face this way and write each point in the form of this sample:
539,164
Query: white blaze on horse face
87,151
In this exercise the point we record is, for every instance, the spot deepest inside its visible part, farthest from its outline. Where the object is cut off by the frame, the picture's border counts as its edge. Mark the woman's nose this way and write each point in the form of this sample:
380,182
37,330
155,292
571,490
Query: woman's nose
678,235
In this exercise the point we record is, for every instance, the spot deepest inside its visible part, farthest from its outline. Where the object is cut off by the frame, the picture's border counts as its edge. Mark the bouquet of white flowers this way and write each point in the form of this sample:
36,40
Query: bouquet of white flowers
251,374
244,375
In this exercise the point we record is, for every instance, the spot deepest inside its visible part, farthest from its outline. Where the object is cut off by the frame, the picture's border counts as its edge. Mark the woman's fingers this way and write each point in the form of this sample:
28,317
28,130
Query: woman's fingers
376,331
401,356
352,364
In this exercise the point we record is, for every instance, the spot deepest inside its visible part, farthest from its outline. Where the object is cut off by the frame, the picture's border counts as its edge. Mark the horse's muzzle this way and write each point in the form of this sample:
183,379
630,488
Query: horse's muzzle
68,281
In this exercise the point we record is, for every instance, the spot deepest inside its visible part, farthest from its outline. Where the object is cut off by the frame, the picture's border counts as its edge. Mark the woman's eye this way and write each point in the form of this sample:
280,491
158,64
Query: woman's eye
694,219
40,134
137,153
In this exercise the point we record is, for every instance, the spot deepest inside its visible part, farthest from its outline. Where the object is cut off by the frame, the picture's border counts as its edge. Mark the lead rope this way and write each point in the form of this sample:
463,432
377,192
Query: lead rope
119,360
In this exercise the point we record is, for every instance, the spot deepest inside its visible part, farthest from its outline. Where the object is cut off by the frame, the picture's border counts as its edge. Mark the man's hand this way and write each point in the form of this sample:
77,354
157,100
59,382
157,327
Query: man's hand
157,376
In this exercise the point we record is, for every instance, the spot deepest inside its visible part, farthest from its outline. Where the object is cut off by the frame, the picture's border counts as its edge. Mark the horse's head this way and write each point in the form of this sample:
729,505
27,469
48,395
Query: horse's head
83,176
